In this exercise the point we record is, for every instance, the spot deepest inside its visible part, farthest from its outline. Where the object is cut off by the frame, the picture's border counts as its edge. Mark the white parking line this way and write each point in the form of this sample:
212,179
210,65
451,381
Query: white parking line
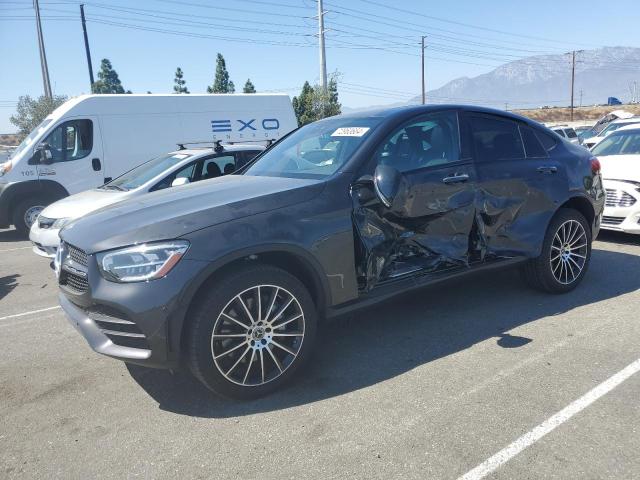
14,249
531,437
29,313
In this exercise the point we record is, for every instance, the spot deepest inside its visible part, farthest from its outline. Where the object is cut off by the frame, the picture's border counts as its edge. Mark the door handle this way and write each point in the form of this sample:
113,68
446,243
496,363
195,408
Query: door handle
456,178
95,163
547,169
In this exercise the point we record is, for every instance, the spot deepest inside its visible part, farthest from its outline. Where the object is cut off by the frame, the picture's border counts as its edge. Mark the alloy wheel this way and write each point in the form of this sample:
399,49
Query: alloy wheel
258,335
569,251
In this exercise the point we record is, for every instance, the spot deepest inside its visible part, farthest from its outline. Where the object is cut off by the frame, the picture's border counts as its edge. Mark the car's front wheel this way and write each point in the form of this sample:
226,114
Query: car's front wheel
565,255
251,332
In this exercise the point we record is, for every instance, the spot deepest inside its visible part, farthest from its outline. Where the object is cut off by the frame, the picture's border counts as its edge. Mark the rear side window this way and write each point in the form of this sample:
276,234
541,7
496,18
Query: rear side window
218,166
547,140
571,133
560,132
495,138
532,146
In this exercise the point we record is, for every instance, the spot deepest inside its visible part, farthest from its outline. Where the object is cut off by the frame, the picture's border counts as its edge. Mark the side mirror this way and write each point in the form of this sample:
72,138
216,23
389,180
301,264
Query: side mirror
388,184
45,155
363,189
179,181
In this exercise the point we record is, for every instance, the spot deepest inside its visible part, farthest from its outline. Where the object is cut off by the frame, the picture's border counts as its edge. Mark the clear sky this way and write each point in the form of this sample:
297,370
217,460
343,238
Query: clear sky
374,44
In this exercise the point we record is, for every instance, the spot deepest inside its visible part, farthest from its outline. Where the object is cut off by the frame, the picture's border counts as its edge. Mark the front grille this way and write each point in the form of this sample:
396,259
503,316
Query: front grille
118,328
73,282
44,222
77,255
618,198
612,220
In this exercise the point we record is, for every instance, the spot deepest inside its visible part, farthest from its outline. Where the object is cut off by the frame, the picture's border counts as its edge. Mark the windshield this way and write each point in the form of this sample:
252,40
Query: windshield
316,150
145,172
613,127
29,138
620,143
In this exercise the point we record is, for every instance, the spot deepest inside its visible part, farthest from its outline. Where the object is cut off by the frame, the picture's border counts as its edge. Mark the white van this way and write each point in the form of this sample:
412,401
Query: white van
92,139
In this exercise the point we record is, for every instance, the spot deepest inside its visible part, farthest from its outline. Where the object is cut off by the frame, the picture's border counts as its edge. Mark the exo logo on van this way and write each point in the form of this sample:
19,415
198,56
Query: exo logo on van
218,126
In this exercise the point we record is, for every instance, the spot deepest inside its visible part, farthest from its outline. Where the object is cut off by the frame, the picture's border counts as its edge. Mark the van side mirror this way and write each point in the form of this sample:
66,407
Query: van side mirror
179,181
389,185
43,154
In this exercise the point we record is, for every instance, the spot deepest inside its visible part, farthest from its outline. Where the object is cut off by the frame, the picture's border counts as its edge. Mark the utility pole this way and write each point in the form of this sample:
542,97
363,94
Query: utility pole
86,46
43,55
573,77
323,61
422,71
581,97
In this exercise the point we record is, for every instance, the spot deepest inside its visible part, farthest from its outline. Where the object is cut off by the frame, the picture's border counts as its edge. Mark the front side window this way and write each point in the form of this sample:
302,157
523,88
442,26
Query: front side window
621,143
317,150
495,138
71,140
429,142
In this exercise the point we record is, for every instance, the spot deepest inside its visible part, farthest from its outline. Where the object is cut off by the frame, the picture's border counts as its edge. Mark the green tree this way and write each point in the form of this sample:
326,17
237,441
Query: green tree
179,82
315,103
31,112
248,87
108,81
221,82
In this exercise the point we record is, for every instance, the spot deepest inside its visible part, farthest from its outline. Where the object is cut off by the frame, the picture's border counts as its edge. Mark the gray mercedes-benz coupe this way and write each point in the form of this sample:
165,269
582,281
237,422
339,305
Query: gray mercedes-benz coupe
231,277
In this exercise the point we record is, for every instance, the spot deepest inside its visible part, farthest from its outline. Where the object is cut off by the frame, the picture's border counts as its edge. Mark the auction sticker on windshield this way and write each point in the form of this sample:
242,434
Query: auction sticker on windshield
350,132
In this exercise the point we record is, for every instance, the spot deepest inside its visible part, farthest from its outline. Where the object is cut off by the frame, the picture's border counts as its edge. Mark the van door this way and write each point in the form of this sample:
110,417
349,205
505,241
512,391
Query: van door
76,155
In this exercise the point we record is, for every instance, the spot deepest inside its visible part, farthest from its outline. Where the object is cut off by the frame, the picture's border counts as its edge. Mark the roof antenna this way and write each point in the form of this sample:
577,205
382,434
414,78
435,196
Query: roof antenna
181,146
218,148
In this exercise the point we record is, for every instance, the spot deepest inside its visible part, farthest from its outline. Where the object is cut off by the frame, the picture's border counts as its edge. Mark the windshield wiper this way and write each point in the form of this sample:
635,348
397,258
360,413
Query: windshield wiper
114,187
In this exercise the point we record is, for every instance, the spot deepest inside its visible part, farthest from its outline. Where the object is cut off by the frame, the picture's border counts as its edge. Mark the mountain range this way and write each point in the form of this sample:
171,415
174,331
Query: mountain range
545,80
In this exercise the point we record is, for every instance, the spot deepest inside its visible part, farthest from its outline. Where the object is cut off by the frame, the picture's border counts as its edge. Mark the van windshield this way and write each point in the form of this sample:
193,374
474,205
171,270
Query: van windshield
317,150
143,173
28,140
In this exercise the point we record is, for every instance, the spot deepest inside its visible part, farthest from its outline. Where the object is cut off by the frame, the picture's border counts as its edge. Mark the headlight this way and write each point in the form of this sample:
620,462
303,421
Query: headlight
61,222
141,263
5,167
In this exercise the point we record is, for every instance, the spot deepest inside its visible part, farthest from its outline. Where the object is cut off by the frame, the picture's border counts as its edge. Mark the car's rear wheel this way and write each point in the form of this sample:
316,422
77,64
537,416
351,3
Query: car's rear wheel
253,331
565,255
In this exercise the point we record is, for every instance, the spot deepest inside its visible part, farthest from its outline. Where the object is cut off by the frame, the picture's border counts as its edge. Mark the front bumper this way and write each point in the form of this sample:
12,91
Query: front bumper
45,240
137,322
622,209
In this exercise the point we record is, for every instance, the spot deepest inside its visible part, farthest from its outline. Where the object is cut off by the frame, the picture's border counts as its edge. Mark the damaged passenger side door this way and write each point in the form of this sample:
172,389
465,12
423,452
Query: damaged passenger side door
421,212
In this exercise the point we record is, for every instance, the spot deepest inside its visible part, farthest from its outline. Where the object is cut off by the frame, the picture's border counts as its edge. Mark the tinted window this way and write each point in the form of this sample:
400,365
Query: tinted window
218,166
429,142
571,133
71,140
547,140
532,146
560,132
496,139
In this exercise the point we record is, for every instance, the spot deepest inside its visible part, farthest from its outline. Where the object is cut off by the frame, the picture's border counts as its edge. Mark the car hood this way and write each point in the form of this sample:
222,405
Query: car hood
177,211
620,167
80,204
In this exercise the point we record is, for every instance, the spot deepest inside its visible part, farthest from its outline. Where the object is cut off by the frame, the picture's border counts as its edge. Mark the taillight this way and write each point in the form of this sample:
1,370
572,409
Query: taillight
595,165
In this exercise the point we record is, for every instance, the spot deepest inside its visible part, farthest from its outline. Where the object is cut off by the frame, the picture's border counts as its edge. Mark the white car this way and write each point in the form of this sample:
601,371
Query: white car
619,156
173,169
567,133
612,127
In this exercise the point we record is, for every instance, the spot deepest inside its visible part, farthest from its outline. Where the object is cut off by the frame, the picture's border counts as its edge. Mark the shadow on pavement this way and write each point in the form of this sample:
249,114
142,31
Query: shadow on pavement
11,236
380,343
610,236
7,284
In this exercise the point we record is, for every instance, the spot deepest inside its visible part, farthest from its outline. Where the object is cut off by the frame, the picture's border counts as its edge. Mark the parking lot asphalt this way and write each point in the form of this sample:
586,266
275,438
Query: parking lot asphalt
431,385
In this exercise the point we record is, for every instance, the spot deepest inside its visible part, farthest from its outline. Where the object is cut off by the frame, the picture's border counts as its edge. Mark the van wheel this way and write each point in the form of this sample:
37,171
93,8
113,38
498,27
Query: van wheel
26,213
565,256
252,332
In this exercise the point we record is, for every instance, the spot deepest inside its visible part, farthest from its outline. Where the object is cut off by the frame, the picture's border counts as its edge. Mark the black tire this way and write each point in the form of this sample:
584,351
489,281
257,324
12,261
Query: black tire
21,211
265,363
542,274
